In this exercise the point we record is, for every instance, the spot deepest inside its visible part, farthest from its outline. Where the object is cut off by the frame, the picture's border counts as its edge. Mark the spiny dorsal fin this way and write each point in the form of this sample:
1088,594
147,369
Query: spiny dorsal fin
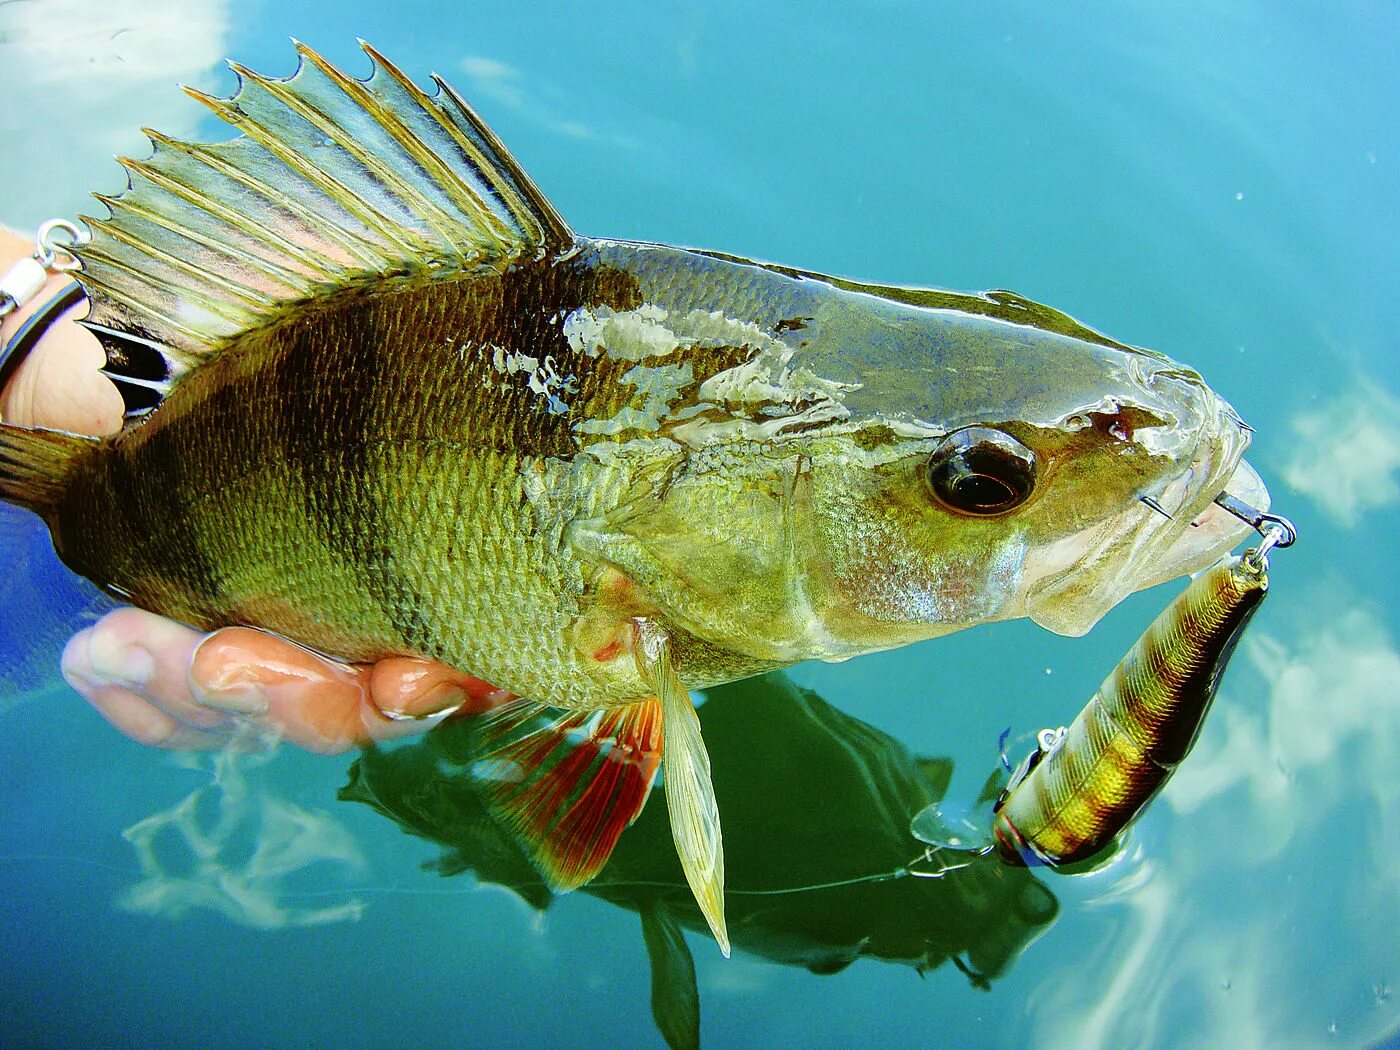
334,180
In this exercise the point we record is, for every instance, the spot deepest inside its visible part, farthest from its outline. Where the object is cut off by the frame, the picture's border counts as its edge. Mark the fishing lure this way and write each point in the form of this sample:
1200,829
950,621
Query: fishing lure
1083,785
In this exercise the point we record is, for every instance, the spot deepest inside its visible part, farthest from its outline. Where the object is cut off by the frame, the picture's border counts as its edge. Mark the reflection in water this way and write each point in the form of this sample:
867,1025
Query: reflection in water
55,604
1347,454
823,868
1331,692
503,83
543,102
96,64
1307,773
227,850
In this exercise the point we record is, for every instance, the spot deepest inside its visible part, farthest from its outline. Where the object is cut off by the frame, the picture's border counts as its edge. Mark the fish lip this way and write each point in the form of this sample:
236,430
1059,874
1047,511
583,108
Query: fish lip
1201,532
1211,532
1140,547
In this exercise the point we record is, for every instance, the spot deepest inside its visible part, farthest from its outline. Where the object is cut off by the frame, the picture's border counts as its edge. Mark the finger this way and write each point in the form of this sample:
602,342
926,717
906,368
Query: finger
164,684
142,721
412,688
312,701
130,667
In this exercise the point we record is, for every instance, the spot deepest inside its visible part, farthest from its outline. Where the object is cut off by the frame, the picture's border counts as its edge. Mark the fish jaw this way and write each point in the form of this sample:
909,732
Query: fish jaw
1211,534
1075,581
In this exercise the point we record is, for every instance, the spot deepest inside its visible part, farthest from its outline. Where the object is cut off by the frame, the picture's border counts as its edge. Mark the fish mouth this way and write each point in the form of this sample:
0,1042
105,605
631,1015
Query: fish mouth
1212,533
1145,545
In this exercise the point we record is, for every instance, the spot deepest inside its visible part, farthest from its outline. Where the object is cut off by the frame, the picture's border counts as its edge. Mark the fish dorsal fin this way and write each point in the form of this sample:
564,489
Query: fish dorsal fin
334,180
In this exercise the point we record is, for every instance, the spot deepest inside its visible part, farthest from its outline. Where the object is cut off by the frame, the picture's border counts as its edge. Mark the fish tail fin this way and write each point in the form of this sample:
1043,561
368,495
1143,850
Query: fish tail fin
569,783
36,465
333,181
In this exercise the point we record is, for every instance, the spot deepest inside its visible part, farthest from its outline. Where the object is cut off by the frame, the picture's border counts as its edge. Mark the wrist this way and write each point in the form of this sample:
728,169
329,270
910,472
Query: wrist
15,247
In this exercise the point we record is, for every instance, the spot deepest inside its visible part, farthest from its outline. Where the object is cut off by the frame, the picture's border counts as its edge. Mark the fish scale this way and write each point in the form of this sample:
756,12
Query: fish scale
433,532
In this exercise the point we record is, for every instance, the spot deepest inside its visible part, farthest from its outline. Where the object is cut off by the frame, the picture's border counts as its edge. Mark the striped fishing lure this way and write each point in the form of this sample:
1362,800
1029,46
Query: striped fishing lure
1086,783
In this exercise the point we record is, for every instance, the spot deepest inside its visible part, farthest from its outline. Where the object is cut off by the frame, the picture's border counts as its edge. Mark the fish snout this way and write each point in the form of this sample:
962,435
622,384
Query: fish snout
1176,392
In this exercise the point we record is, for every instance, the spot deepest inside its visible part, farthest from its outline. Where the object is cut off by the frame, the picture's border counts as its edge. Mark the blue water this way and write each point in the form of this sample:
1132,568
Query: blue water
1220,181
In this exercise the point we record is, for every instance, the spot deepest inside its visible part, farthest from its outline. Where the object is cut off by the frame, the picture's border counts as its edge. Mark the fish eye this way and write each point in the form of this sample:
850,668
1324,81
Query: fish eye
981,471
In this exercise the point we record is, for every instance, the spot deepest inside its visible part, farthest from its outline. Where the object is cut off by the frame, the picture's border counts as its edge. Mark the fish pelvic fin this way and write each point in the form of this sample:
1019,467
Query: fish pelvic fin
690,791
675,999
568,783
36,465
333,181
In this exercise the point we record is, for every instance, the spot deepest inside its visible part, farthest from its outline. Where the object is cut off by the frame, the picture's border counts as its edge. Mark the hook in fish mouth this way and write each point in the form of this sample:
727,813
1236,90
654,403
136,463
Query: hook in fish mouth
1262,522
1152,503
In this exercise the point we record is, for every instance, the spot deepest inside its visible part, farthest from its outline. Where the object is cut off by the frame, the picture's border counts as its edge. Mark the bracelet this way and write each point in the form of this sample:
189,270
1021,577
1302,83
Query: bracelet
13,353
141,382
26,278
23,281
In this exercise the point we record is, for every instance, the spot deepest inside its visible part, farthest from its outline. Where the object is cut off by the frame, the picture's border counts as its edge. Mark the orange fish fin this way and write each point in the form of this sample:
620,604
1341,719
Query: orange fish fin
568,783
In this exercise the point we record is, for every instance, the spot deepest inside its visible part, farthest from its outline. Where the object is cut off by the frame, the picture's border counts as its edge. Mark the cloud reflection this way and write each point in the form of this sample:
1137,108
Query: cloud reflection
504,83
226,849
1325,689
1347,454
77,76
1275,859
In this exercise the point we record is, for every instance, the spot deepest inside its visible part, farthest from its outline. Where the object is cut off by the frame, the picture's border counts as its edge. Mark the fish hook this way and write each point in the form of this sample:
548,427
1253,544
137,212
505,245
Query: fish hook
1275,530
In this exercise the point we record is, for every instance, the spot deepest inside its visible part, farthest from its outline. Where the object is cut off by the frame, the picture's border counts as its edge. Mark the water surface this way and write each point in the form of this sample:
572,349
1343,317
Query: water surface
1220,181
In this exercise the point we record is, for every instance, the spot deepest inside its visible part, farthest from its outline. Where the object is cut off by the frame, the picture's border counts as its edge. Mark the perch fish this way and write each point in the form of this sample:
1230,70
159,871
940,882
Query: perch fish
411,412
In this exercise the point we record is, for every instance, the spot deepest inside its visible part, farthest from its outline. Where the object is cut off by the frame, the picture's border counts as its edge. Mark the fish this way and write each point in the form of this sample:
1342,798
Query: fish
1087,783
409,411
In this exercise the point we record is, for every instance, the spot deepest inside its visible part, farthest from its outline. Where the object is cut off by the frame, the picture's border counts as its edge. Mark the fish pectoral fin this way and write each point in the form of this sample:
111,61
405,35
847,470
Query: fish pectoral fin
690,792
333,180
568,783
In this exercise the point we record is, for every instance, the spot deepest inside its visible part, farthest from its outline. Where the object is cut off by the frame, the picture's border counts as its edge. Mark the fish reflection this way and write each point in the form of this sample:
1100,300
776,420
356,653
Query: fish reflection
824,868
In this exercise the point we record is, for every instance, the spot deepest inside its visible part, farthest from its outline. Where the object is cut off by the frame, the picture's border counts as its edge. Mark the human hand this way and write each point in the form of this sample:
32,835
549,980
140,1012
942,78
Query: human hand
58,384
162,683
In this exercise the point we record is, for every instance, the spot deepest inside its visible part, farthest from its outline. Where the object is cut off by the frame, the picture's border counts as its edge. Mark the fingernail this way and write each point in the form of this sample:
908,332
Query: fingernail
236,698
438,703
120,664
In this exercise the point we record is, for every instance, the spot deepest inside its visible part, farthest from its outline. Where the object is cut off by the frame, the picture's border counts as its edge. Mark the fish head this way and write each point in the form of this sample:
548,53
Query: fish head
987,469
886,465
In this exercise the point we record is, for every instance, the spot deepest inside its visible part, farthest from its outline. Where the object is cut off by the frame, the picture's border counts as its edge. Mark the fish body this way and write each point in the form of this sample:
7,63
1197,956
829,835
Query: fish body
414,413
458,468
